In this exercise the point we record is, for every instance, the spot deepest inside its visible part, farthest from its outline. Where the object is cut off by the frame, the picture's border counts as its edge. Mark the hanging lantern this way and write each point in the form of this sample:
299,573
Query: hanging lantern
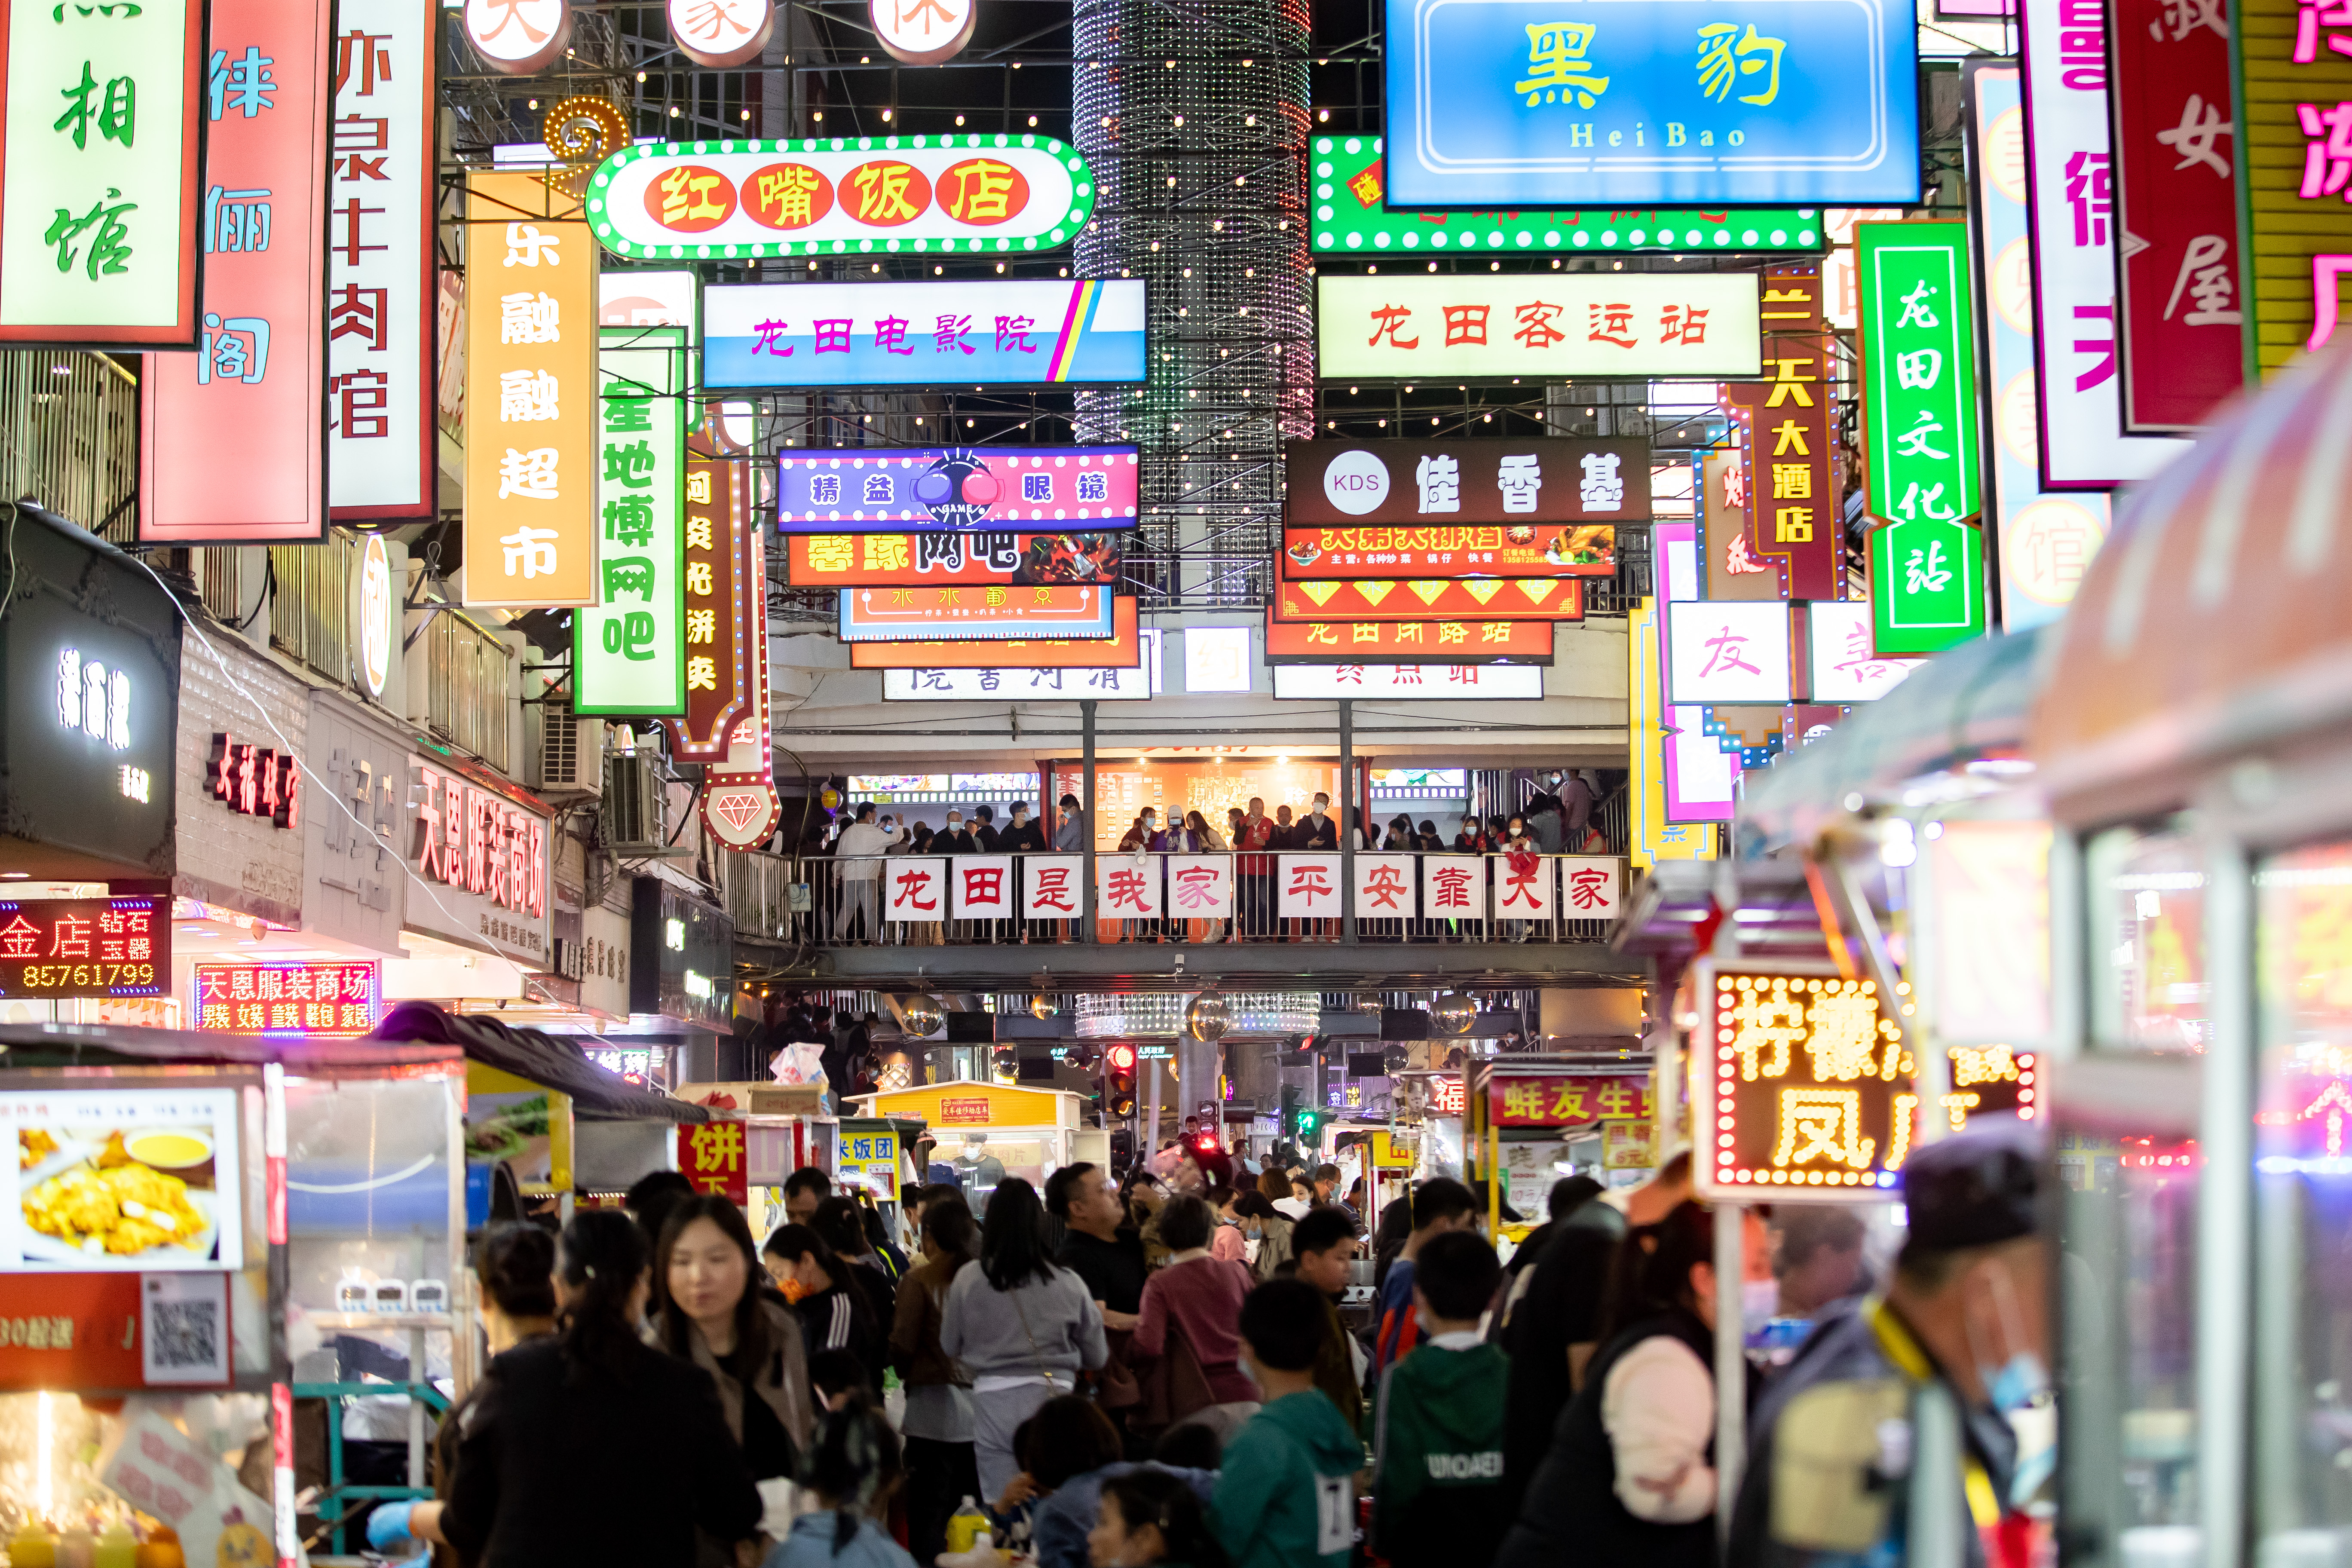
1453,1012
721,34
923,32
1205,1017
517,37
922,1015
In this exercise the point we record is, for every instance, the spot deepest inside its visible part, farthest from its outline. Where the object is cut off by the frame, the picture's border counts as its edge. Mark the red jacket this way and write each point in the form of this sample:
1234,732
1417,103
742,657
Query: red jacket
1203,1298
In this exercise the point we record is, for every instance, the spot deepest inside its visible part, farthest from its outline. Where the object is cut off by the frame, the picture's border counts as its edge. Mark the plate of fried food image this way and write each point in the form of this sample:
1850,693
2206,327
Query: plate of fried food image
144,1194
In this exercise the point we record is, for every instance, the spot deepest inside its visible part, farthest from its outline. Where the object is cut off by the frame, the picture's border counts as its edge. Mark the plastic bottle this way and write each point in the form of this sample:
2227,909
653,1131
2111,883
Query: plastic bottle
965,1525
162,1549
77,1549
35,1547
118,1548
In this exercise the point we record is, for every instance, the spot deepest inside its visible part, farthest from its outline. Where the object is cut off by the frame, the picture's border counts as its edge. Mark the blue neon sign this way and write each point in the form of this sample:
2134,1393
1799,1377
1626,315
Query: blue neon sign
1545,103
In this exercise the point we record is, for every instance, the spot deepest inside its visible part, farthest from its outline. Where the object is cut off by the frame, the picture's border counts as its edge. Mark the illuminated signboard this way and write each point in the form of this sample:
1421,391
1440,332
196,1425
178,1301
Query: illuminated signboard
469,841
999,683
319,999
714,200
1123,649
1784,428
1473,480
1350,186
923,32
253,780
2294,75
721,604
1000,332
1809,1082
1727,651
1511,102
680,958
959,613
911,559
1549,325
53,948
123,1179
1547,1100
629,654
1451,551
1389,599
955,488
1433,682
1459,642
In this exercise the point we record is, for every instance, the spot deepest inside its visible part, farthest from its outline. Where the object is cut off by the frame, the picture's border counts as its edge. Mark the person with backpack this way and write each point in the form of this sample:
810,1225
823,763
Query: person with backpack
1437,1471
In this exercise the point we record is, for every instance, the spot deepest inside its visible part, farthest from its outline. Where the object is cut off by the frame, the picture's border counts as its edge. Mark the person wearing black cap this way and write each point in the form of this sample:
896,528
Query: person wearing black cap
1961,1333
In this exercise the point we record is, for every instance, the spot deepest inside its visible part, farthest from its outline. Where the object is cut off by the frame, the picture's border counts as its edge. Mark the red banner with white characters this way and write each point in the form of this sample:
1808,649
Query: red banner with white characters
739,805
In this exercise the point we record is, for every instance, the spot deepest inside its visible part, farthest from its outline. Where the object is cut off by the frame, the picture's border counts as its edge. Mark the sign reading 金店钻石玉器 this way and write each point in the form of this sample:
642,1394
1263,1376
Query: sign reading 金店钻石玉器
1498,102
997,331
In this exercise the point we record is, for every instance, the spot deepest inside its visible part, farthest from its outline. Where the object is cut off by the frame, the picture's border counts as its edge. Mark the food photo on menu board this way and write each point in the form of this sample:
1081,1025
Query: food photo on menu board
124,1179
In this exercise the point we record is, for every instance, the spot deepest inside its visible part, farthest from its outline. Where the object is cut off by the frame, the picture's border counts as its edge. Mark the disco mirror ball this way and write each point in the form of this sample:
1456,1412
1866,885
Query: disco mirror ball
1206,1017
1453,1012
922,1015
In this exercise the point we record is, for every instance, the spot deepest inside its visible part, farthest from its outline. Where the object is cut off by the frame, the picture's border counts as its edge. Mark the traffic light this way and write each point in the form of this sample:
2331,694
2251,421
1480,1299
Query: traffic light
1306,1124
1118,1082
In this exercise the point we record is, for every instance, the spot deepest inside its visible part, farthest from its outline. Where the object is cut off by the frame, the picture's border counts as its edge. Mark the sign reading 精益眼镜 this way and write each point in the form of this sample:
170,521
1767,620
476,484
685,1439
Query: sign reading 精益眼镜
629,656
2294,127
995,330
1540,480
1512,102
532,449
714,200
1553,325
910,560
960,488
1351,216
98,236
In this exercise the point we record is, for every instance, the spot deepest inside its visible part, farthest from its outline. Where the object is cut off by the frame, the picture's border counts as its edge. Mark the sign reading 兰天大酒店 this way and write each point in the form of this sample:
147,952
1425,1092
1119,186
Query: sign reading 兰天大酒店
696,201
997,331
1542,325
1509,102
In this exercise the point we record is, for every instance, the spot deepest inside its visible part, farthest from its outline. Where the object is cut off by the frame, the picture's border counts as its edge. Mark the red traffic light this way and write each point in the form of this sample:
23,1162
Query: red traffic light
1207,1142
1121,1058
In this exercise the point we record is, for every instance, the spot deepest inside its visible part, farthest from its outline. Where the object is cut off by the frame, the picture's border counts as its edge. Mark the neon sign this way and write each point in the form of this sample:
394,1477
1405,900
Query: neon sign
307,999
93,700
1809,1080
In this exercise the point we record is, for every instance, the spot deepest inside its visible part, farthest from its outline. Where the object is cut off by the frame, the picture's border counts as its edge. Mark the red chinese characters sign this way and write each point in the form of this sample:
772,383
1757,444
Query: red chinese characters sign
2294,129
470,839
1391,642
1551,1101
714,1158
1554,325
954,1112
53,948
1387,599
1450,550
255,781
316,999
2181,337
1787,423
995,562
69,1331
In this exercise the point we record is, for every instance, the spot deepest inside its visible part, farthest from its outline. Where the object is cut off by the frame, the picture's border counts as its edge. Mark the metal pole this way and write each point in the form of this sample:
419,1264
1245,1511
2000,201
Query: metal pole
1347,829
1086,817
1730,1362
1150,1141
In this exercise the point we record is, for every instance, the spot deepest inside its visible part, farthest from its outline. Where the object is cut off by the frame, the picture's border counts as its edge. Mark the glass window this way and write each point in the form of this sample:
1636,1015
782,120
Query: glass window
2147,903
2302,1470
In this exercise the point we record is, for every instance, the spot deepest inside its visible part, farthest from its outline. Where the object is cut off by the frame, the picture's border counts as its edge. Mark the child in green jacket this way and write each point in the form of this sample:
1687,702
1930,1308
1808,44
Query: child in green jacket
1438,1480
1285,1489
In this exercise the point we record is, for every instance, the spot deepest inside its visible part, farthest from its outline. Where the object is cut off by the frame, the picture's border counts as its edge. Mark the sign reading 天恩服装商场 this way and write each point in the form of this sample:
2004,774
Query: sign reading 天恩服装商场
1556,325
1351,216
630,652
1511,102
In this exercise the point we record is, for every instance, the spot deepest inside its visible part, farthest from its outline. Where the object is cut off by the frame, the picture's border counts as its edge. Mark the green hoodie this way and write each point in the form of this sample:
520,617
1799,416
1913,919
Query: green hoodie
1438,1480
1286,1496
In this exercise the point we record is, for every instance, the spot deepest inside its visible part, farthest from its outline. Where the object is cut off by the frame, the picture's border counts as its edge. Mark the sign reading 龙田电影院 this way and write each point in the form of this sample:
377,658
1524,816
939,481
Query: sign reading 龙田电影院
990,331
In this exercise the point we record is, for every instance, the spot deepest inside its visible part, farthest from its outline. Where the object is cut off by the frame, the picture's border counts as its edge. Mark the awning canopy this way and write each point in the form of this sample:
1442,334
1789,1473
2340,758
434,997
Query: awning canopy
127,1044
548,1060
2216,619
1956,727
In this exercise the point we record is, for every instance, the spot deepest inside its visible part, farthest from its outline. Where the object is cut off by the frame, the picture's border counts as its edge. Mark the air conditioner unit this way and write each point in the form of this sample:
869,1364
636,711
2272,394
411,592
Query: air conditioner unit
633,803
565,755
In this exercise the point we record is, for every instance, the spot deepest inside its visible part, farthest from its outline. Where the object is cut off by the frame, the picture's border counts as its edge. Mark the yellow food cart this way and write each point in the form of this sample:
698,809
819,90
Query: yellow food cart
987,1130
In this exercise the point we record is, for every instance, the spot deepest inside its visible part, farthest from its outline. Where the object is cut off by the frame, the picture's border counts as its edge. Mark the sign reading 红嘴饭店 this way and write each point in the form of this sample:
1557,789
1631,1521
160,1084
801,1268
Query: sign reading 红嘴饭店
1511,102
484,855
1451,551
996,330
55,948
1473,480
1389,599
629,656
1785,429
2293,125
1539,324
1385,642
232,438
962,488
2071,220
1123,649
531,446
988,560
1926,584
97,237
380,435
882,615
1350,188
2180,324
923,32
322,999
682,201
1811,1085
1918,369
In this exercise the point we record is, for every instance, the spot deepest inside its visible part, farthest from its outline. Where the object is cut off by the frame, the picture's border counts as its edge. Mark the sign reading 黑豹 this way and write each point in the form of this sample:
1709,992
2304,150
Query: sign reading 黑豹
532,441
1350,188
380,435
1817,1083
1511,102
1552,324
715,200
311,999
51,949
996,330
2294,152
629,654
1539,479
960,487
993,560
1919,370
97,237
231,446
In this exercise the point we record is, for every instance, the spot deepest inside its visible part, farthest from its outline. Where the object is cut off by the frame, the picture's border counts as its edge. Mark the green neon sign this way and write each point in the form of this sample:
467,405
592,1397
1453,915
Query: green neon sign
629,647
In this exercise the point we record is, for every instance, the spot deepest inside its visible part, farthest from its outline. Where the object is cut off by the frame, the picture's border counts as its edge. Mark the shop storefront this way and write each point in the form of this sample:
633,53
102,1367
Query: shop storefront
988,1131
477,923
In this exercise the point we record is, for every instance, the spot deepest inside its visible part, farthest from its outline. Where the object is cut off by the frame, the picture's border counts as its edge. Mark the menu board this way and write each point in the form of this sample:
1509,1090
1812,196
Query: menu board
123,1179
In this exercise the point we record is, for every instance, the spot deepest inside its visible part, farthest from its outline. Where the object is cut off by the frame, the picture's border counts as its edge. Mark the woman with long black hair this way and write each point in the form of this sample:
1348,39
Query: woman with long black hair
837,1312
558,1409
1021,1328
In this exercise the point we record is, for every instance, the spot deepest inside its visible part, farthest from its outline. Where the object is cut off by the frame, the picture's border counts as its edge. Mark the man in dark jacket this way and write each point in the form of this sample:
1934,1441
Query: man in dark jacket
1437,1474
1024,836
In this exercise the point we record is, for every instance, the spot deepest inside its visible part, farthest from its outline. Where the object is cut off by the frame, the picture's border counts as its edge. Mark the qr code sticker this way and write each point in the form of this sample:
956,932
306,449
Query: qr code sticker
185,1330
185,1333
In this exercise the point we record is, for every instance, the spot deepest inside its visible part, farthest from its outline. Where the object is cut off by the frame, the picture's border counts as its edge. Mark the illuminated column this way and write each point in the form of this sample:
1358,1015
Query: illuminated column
1194,120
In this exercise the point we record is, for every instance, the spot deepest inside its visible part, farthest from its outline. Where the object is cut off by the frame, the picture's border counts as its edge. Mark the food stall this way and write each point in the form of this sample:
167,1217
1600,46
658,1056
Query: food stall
785,1127
1532,1120
988,1131
208,1230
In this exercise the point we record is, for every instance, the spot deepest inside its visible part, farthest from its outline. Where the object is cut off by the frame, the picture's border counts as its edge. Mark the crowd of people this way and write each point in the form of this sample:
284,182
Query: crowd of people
1155,1368
1558,820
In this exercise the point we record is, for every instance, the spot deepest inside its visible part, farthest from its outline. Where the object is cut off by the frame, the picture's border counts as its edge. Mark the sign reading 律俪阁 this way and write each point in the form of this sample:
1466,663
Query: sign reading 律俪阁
1474,479
956,487
51,949
1553,325
1510,102
995,330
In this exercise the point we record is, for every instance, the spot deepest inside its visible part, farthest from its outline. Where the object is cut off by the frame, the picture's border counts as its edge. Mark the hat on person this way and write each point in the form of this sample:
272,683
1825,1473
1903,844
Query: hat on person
1976,1188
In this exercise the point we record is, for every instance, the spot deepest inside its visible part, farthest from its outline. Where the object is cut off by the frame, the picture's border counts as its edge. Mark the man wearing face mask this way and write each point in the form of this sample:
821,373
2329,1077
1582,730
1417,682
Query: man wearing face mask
1960,1336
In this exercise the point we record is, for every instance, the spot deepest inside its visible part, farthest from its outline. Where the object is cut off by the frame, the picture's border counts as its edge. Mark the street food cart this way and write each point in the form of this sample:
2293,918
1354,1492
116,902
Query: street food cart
988,1131
1532,1120
281,1222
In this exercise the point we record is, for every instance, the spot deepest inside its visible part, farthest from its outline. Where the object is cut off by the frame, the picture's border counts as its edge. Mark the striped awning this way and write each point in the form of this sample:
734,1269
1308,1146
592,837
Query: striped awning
2218,617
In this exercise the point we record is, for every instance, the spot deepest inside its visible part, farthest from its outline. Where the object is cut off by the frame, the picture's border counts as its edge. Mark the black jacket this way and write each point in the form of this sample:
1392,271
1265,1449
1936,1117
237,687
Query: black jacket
960,842
541,1424
1559,1310
1029,836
